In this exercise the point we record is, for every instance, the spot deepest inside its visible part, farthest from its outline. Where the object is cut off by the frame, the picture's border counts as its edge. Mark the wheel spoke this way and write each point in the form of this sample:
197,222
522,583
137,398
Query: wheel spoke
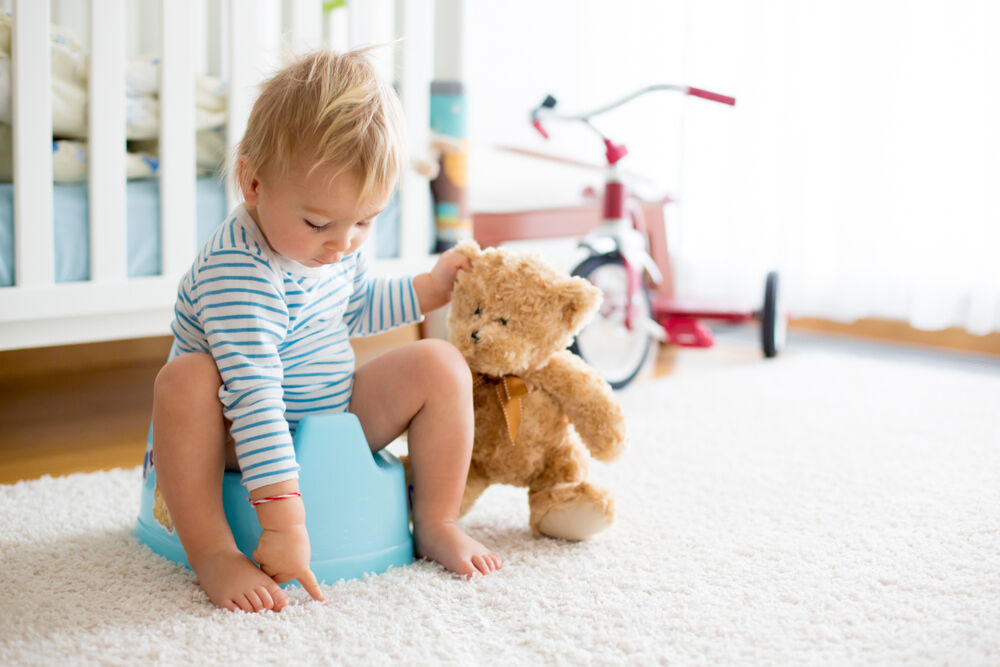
614,350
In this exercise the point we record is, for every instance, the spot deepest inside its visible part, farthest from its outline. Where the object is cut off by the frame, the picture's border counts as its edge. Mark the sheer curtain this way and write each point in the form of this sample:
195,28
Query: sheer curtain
862,158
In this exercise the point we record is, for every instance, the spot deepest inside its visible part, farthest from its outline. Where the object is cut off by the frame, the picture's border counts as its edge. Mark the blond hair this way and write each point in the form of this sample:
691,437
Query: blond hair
333,109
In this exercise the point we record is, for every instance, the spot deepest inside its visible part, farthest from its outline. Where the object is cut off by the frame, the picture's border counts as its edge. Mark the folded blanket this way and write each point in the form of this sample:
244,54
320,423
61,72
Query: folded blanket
69,156
142,112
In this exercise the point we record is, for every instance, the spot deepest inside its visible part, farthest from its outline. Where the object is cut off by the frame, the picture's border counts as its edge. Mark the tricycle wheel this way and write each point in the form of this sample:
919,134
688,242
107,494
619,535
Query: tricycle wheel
774,321
617,352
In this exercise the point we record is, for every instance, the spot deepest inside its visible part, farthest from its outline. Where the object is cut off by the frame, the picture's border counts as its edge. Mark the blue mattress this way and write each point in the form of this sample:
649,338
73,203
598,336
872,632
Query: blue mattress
72,239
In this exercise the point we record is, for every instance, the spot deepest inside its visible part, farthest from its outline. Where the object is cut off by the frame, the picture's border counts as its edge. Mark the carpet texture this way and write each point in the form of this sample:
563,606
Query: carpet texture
818,509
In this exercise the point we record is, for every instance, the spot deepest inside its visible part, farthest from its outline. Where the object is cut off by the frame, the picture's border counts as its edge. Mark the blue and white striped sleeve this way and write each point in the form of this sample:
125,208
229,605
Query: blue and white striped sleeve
245,318
380,303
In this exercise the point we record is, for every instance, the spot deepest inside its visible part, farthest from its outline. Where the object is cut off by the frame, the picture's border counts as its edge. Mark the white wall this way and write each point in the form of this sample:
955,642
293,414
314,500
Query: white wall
585,53
861,158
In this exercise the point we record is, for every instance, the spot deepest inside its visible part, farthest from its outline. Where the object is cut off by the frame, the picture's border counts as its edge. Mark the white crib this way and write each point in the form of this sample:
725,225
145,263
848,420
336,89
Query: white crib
244,39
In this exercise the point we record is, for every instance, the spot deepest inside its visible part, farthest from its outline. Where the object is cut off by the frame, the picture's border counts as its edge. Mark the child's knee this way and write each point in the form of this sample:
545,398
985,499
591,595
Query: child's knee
185,377
445,366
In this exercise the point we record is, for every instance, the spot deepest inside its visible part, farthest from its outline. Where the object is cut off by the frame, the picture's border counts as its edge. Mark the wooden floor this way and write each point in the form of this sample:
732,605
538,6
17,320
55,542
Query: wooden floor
86,408
76,421
94,417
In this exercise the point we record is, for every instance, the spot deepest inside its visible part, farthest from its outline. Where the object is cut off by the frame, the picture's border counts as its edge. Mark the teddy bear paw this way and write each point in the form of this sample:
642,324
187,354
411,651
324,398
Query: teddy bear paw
578,519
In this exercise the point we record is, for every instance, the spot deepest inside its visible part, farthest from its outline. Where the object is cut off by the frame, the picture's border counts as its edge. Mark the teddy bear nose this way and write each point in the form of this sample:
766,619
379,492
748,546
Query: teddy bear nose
475,336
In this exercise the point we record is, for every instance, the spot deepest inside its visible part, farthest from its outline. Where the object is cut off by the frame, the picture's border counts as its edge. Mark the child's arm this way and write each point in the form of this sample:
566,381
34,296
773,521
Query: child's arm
283,548
240,310
379,303
434,288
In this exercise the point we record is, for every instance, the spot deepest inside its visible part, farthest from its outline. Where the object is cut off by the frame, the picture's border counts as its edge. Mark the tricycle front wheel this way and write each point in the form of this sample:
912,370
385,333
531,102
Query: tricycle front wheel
614,349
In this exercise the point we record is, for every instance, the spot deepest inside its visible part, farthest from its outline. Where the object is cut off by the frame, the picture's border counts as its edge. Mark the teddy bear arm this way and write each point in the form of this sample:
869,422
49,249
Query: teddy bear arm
588,402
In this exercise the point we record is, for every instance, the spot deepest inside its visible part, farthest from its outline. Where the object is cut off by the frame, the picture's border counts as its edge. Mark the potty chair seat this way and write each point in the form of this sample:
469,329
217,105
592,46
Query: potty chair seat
357,511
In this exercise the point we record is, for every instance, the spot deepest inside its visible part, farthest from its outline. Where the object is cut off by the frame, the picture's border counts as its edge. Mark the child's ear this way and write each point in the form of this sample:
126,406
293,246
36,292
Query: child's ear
246,177
469,248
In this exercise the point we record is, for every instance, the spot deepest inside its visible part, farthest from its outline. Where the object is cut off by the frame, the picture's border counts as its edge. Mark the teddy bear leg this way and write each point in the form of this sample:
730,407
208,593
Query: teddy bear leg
573,511
475,484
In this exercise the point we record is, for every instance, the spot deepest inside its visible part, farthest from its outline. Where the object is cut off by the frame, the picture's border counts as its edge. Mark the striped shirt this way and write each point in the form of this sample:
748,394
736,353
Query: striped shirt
279,332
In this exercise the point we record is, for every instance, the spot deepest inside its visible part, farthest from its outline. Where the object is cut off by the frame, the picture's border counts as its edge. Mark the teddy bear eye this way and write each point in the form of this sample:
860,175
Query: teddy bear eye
479,311
503,321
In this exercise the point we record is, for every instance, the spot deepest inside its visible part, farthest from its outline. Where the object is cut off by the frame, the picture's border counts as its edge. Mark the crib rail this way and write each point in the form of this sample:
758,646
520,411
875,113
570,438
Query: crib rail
106,122
37,311
32,111
177,164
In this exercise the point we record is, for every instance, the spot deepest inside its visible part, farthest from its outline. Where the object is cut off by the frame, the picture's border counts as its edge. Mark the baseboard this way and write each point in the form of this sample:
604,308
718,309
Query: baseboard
894,331
42,361
34,362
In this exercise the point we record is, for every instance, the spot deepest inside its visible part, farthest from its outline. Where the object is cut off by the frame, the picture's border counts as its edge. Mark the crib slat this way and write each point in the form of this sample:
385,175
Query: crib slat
372,23
303,21
108,247
177,139
244,61
359,24
415,19
32,111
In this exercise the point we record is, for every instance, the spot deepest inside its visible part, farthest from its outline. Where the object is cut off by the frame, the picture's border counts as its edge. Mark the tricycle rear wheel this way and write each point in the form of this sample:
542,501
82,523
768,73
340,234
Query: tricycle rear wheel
774,321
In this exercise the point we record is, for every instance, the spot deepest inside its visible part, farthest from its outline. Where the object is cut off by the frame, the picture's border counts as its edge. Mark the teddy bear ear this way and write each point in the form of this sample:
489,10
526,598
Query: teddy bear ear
579,299
469,248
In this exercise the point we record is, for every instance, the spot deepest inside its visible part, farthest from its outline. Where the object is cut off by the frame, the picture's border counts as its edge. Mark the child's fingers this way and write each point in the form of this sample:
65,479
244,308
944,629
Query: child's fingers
308,581
462,261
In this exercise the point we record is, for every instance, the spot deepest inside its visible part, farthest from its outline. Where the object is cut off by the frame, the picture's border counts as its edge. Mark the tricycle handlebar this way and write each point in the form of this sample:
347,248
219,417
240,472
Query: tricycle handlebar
545,110
715,97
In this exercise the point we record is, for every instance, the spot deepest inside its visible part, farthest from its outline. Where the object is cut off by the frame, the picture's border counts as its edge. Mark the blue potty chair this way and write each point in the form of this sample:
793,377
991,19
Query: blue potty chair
357,511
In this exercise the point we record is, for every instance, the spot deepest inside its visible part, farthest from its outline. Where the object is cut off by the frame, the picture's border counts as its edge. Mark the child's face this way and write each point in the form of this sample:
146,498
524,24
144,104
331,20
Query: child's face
309,217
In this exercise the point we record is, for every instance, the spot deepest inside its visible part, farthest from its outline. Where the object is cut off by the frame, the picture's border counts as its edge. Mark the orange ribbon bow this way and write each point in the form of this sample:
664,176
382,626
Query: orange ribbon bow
510,389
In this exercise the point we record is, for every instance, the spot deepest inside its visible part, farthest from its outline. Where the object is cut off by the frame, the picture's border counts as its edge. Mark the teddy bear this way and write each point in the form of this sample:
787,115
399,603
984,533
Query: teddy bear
539,408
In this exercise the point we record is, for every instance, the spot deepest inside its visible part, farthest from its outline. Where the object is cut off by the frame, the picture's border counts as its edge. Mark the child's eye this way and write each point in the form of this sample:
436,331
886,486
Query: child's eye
364,223
315,226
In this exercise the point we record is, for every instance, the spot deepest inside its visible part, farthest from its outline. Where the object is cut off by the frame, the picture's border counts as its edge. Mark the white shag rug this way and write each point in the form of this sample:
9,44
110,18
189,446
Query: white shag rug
817,509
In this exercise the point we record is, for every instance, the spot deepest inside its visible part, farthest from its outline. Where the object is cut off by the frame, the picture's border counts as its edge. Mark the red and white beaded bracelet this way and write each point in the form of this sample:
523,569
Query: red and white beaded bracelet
260,501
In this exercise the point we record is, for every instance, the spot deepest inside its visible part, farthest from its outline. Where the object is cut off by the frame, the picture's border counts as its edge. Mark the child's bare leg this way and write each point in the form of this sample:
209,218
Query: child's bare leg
427,388
189,453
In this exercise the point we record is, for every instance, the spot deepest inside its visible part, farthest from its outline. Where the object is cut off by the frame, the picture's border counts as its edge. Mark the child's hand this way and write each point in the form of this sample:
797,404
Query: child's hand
284,555
434,289
443,274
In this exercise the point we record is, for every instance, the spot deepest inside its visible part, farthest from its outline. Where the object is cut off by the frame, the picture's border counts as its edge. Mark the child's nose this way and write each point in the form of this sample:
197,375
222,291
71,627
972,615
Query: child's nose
337,244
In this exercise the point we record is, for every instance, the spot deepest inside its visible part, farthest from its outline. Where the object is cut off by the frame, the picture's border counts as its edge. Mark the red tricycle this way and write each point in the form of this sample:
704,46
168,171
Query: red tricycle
616,342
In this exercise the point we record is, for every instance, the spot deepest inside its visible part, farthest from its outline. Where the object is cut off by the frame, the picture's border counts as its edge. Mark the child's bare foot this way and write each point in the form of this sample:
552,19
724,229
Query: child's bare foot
445,543
233,582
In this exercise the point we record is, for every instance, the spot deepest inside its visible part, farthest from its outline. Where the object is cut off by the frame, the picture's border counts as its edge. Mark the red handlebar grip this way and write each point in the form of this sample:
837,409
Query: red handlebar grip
541,130
715,97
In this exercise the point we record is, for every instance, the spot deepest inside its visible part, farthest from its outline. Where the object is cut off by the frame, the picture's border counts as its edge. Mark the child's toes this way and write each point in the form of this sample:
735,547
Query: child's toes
243,603
254,600
266,601
279,597
481,565
466,569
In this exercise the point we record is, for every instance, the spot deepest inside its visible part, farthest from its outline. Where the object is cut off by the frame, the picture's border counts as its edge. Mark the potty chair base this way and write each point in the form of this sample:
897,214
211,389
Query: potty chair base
357,511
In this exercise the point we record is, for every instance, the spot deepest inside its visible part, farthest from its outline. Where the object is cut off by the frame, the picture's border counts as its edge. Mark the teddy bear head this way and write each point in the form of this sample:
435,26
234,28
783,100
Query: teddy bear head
511,311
